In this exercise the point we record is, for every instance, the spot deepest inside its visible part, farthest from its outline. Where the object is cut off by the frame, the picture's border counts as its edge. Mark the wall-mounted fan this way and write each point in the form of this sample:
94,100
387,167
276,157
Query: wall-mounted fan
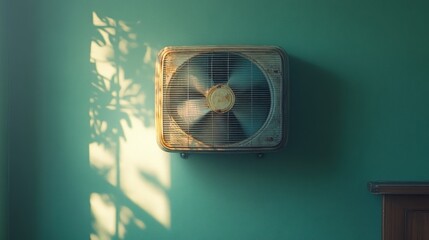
222,99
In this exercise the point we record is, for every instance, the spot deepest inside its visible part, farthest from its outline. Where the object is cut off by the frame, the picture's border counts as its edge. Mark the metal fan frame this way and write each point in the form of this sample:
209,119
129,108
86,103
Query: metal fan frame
274,130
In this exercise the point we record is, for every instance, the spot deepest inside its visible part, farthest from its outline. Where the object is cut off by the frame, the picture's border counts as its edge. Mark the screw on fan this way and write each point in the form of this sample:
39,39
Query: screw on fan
220,98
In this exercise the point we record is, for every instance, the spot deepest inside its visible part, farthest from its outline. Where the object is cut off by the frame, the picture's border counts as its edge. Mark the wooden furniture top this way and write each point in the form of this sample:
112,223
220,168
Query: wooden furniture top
399,188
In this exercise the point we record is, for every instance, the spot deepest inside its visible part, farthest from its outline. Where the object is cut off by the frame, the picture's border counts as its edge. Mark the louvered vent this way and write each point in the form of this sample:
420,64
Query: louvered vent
221,98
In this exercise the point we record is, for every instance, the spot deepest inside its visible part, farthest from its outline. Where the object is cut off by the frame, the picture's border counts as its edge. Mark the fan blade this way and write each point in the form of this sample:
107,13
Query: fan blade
193,81
252,108
194,76
219,63
235,129
218,129
191,111
199,76
203,129
200,82
245,75
249,122
179,91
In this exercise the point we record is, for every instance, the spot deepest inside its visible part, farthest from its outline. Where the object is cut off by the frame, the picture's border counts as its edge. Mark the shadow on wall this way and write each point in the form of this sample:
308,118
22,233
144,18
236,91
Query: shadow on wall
132,174
317,101
242,188
317,106
248,190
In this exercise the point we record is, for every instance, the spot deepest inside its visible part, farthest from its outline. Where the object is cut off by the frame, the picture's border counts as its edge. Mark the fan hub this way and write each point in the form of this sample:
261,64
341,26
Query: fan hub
221,98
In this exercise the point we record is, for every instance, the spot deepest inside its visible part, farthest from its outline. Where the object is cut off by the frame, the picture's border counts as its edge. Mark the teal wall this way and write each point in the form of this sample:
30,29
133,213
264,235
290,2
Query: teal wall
359,112
3,129
47,61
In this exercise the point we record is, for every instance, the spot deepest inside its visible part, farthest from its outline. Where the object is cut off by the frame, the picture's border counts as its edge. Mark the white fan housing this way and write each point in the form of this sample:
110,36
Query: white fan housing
222,99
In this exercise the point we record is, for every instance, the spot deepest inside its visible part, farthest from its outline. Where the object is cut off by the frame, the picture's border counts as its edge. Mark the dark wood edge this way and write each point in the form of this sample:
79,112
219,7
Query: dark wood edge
415,188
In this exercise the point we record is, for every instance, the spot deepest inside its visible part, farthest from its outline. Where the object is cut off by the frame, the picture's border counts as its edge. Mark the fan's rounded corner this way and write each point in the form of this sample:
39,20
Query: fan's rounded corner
280,50
282,144
162,145
282,53
165,51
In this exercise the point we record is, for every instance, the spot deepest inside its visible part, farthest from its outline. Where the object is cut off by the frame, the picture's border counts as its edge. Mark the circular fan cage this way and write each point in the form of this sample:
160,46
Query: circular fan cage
220,99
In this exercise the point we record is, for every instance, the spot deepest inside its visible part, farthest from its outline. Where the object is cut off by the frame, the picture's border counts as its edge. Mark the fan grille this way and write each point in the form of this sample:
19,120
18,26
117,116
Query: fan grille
221,99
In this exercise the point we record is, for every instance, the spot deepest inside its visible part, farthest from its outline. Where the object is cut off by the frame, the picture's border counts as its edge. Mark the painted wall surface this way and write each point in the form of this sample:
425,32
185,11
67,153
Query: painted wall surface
3,129
3,166
83,158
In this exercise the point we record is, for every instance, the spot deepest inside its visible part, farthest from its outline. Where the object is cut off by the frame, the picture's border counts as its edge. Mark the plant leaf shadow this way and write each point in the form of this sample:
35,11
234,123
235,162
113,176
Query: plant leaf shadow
125,176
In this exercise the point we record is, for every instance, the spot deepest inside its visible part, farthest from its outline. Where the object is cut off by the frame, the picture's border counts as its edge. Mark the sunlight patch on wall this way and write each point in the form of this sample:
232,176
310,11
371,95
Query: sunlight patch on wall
134,172
103,210
103,159
145,172
126,217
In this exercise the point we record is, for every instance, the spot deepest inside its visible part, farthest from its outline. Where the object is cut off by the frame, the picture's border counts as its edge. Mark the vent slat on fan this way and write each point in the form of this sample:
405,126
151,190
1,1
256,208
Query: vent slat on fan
221,98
